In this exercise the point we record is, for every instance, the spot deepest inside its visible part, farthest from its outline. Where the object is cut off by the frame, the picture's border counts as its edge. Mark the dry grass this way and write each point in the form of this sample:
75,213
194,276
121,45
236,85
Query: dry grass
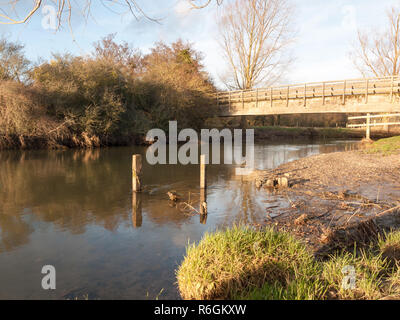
389,246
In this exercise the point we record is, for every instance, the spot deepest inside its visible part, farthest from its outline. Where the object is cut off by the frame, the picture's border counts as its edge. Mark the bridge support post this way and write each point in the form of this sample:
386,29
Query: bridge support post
257,98
287,97
391,90
368,128
271,96
344,92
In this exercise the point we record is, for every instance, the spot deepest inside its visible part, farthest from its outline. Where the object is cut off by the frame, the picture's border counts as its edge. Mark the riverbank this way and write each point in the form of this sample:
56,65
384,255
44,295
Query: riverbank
276,133
339,198
66,141
273,133
342,208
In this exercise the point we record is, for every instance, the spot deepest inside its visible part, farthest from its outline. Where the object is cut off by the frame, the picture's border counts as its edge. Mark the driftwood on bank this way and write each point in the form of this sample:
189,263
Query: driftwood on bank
274,182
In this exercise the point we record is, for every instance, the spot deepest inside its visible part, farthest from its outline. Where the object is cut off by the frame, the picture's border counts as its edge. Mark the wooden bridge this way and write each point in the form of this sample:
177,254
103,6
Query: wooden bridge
368,95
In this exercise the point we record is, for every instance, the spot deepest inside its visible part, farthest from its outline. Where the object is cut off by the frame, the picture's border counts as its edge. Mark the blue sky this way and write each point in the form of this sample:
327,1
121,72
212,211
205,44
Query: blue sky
324,33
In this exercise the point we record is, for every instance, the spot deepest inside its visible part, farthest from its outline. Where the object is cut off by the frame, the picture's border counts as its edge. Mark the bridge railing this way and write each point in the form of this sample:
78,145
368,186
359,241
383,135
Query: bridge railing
343,88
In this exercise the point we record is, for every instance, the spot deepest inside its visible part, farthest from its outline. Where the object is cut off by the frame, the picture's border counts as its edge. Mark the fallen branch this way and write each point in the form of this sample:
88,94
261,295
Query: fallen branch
388,211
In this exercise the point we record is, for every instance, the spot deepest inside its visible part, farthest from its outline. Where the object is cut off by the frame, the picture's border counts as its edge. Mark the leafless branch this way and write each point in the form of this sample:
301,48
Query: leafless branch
255,36
65,7
378,54
205,4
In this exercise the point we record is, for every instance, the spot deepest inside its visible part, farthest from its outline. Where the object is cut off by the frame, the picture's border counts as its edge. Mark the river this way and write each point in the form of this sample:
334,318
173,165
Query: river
72,209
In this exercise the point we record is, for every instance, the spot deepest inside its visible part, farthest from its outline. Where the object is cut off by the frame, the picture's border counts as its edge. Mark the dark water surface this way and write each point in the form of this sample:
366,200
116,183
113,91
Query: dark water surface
73,210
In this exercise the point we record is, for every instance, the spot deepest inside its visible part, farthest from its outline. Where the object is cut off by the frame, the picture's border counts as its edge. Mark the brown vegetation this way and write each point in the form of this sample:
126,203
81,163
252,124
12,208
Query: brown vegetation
112,97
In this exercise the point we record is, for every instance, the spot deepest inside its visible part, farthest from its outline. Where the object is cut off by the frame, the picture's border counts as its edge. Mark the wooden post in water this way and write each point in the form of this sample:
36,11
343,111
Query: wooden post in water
136,173
368,130
203,184
136,210
203,191
203,201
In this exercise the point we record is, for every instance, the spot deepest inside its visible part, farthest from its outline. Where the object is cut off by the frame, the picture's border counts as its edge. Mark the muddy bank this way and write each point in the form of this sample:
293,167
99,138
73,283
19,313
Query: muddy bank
336,199
280,133
71,141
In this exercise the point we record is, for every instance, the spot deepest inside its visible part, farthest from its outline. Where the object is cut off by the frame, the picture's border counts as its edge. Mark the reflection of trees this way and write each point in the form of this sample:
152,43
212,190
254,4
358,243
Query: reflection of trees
71,189
245,207
64,188
13,232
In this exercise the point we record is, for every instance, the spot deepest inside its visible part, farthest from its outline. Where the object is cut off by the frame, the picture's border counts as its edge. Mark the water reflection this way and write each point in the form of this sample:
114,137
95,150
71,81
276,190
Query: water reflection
75,210
136,210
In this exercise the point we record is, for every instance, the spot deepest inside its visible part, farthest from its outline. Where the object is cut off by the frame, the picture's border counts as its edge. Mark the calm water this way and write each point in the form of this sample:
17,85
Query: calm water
73,210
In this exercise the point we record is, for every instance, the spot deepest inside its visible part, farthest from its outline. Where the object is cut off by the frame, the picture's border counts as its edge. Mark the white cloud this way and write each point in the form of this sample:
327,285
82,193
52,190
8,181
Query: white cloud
182,8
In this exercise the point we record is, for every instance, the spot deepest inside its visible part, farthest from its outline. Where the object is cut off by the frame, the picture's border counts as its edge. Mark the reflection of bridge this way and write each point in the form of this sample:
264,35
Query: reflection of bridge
343,96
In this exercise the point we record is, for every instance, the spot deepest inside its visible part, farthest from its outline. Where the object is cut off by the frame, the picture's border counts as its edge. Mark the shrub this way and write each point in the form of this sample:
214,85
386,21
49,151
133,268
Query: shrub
23,117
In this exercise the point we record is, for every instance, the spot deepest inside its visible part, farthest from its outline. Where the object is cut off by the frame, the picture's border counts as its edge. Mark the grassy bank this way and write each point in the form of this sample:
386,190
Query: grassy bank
242,263
276,132
385,146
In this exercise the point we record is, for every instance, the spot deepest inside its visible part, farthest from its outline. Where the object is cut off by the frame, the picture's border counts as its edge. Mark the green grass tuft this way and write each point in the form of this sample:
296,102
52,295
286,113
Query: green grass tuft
385,146
242,263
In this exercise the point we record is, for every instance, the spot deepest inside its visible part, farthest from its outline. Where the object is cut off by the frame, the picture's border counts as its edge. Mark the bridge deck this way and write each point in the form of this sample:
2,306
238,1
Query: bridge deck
342,96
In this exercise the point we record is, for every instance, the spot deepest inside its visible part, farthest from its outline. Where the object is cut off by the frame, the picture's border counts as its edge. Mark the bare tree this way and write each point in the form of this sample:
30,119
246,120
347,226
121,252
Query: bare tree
198,5
65,8
13,64
255,35
378,54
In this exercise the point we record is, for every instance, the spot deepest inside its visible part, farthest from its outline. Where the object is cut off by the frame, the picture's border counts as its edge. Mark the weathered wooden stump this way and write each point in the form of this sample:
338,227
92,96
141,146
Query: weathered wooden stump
136,173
